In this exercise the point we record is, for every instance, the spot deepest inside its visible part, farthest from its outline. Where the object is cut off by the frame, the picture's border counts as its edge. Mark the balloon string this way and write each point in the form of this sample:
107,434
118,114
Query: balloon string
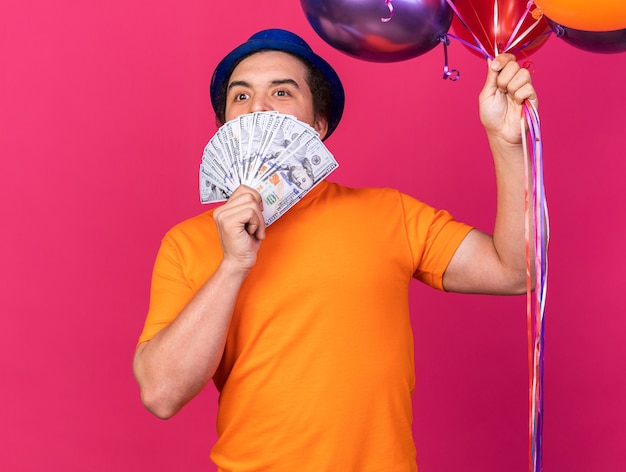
511,43
535,311
390,6
529,324
478,46
451,74
496,30
528,43
519,25
470,45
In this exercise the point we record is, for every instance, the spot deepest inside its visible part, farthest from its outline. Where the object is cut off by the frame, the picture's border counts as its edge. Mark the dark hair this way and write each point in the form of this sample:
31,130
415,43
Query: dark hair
320,89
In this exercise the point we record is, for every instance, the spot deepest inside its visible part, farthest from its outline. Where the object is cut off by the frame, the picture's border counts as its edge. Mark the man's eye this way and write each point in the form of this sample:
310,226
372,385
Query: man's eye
241,96
281,93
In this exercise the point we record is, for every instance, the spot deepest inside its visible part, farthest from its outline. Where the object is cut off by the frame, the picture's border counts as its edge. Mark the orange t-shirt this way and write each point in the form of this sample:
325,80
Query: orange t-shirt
317,373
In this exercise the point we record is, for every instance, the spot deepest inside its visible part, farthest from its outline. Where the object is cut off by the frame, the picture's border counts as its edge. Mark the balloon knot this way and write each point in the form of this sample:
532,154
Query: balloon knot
536,13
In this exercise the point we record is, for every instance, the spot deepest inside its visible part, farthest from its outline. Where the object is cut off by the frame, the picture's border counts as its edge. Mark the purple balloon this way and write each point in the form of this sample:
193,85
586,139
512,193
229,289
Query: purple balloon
380,30
605,42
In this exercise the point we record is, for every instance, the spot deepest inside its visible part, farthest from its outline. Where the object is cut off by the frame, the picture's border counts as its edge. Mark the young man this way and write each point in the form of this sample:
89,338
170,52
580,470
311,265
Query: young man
304,327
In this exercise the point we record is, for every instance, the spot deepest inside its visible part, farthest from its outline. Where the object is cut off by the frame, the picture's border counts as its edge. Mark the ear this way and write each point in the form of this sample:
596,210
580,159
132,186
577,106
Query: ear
321,126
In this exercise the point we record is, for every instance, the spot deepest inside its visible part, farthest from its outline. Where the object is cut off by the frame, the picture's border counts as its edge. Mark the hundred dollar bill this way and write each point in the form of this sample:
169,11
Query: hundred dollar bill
246,131
215,164
227,140
210,191
288,136
261,126
286,184
269,123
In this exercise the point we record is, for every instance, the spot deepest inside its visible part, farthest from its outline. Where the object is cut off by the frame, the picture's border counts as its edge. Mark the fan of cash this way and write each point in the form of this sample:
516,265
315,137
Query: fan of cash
279,156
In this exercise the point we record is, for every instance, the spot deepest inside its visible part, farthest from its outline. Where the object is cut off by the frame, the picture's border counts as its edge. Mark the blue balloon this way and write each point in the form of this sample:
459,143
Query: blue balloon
379,30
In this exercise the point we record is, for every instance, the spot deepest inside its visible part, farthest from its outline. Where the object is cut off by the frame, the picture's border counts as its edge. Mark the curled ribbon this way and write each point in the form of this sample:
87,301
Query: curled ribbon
390,6
450,74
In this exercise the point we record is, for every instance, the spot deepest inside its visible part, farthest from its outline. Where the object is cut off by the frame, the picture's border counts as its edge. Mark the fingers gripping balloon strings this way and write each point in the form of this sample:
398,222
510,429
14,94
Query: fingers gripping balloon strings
535,311
390,6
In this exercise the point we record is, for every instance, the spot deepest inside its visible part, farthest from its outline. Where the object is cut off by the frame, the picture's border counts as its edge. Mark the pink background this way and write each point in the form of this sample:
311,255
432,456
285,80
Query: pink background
104,112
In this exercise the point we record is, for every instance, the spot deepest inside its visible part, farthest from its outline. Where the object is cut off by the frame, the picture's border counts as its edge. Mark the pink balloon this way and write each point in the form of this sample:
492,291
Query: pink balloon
380,30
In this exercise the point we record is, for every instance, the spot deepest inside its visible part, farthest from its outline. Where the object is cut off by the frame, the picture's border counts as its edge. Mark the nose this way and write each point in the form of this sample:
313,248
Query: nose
260,103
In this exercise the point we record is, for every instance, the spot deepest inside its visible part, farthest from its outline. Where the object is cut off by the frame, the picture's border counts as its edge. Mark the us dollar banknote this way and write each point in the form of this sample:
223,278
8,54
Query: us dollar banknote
276,154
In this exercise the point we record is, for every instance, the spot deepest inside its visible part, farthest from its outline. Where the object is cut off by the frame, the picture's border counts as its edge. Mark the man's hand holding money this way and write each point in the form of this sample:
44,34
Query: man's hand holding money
241,227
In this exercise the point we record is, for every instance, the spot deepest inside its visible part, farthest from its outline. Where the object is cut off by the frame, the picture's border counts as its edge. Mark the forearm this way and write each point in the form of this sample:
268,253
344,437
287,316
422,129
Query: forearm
509,234
180,360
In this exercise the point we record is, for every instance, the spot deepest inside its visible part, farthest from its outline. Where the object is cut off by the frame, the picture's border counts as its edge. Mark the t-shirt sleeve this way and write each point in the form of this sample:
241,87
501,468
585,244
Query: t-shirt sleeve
170,290
434,236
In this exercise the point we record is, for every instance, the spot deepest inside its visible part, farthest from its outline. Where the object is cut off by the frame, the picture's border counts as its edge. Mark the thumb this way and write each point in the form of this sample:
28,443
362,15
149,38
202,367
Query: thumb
491,82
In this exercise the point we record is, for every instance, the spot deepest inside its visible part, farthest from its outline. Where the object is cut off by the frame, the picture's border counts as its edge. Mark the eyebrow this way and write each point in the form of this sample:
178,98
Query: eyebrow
273,83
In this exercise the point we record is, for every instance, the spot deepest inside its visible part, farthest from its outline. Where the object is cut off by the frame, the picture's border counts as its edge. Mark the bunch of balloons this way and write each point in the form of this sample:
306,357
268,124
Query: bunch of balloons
396,30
